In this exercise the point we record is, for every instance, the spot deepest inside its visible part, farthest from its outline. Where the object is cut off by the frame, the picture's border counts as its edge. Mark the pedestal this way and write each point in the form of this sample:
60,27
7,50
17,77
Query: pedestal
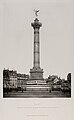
36,74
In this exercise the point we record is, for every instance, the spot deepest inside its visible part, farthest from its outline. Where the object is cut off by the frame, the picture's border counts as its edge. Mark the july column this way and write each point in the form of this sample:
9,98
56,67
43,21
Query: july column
36,25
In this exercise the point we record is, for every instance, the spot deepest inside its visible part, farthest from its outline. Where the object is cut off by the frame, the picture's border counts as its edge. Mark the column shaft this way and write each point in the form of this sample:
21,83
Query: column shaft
36,48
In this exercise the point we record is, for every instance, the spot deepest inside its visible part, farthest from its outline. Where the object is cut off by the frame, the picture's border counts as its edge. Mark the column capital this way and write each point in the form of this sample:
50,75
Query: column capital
36,24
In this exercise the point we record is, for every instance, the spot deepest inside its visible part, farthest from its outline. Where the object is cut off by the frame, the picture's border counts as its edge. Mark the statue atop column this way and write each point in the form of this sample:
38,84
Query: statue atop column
36,12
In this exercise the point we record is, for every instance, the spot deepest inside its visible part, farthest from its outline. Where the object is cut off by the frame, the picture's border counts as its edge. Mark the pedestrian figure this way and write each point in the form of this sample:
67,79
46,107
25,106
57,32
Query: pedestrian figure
50,90
22,90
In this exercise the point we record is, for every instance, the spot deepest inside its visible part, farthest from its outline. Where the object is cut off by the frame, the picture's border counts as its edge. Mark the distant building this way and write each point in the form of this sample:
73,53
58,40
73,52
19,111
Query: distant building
53,78
12,79
22,78
69,77
55,82
6,79
9,78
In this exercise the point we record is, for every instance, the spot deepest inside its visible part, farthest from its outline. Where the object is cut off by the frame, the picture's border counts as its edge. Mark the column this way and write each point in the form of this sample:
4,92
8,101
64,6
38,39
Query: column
36,25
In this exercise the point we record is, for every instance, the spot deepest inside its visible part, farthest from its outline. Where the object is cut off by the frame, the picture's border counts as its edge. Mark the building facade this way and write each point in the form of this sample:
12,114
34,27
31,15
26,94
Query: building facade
22,79
12,79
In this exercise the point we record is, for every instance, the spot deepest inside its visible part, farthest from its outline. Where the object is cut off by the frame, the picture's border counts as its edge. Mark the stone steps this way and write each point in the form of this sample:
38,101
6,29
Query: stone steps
38,87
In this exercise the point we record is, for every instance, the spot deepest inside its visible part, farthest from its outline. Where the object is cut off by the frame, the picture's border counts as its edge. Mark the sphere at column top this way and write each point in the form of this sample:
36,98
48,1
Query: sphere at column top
36,24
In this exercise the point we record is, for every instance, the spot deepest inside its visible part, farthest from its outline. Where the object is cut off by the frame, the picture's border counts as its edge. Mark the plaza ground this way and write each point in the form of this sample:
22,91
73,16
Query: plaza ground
36,94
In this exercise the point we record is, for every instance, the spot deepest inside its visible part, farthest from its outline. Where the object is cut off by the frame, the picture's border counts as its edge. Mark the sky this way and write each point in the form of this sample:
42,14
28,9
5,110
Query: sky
56,36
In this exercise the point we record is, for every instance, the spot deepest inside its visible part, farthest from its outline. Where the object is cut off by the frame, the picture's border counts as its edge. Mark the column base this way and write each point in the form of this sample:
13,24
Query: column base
36,74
